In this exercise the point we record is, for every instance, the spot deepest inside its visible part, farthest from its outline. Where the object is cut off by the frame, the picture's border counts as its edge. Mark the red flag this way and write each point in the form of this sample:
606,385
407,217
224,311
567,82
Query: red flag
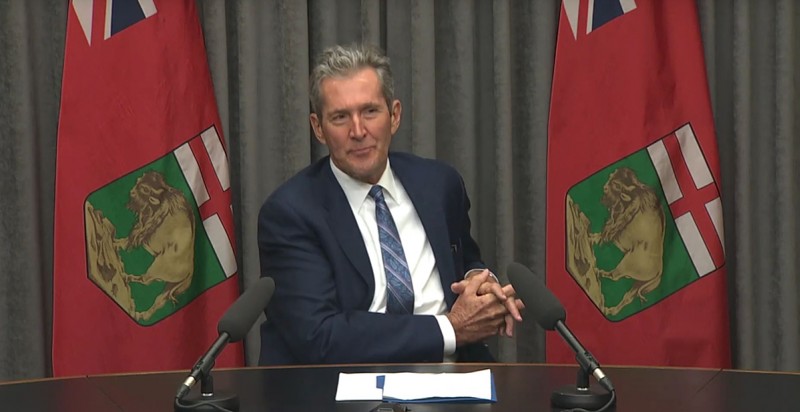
634,219
144,240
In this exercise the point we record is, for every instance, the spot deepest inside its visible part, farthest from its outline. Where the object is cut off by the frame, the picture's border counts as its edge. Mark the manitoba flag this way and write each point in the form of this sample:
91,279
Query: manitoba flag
635,245
144,238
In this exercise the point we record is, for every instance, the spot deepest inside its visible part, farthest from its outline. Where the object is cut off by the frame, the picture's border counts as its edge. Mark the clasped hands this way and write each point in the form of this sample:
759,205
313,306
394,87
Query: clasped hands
483,308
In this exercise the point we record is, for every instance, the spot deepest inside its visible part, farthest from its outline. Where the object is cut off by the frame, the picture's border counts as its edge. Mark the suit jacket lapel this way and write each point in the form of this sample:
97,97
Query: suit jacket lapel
432,216
344,226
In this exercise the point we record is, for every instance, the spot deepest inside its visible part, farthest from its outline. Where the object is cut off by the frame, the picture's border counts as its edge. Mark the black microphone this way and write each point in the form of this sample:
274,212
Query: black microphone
232,327
550,315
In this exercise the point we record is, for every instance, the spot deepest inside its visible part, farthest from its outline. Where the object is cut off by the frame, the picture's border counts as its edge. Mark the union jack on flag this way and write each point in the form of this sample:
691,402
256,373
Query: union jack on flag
117,15
595,12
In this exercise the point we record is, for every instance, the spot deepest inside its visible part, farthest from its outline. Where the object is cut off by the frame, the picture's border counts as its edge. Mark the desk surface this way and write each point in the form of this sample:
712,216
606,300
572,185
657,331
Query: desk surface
519,387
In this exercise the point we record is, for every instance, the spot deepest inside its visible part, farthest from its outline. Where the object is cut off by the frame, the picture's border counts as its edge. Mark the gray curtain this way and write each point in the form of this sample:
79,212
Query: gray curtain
752,51
474,77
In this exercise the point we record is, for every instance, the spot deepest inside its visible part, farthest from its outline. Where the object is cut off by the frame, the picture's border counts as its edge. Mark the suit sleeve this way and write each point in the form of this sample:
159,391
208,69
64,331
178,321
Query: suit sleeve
305,308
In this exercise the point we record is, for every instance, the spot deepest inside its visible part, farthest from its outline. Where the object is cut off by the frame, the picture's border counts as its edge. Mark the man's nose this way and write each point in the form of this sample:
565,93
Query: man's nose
358,131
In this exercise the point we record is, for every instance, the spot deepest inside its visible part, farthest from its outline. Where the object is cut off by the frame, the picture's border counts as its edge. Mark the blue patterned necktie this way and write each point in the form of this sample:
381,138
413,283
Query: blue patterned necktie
399,290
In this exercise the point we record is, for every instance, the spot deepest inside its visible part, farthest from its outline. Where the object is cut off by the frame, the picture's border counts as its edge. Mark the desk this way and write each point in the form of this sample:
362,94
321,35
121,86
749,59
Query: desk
520,387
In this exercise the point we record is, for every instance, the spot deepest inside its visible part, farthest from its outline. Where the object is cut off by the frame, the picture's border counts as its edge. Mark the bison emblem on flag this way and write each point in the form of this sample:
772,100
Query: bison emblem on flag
154,240
645,226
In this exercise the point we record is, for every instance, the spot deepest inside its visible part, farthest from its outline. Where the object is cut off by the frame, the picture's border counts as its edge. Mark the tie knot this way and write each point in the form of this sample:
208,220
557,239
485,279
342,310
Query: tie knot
376,192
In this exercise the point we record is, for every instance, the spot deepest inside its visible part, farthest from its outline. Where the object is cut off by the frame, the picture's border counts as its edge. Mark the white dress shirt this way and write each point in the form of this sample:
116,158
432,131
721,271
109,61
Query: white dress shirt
428,293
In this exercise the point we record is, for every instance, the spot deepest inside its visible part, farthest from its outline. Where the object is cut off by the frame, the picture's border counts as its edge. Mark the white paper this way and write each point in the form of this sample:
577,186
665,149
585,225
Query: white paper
414,386
358,387
410,386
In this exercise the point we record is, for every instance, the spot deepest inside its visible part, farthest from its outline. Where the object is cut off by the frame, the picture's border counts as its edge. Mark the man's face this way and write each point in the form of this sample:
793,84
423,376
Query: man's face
356,124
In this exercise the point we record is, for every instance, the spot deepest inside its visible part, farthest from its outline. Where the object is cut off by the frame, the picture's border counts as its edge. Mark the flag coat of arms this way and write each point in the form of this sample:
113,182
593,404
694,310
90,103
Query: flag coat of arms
144,238
635,244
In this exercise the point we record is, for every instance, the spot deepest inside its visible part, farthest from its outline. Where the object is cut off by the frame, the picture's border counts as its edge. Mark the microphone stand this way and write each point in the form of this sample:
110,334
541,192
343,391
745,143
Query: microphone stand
207,401
232,327
581,395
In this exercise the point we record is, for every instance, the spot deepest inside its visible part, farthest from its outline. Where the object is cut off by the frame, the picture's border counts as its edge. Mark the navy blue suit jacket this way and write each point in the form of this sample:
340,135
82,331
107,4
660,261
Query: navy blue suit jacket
310,244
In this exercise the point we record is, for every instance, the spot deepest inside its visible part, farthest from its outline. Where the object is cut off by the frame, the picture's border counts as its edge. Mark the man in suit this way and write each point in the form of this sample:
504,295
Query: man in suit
371,251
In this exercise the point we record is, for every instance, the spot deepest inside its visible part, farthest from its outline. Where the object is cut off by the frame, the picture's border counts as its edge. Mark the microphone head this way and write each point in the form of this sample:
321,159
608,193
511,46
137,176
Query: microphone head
241,315
544,305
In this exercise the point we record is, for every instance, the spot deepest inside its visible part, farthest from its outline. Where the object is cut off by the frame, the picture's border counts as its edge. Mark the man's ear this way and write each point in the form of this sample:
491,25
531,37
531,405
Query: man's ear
316,126
396,113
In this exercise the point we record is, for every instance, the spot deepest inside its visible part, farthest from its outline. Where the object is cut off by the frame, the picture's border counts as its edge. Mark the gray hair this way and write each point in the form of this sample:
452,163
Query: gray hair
342,61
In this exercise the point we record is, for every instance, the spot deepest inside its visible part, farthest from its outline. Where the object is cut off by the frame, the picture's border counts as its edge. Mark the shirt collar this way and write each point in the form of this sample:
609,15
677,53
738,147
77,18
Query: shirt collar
357,191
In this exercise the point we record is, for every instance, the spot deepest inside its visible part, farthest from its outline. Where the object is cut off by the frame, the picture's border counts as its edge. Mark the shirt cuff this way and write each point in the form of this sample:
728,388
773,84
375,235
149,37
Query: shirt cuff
476,271
448,335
